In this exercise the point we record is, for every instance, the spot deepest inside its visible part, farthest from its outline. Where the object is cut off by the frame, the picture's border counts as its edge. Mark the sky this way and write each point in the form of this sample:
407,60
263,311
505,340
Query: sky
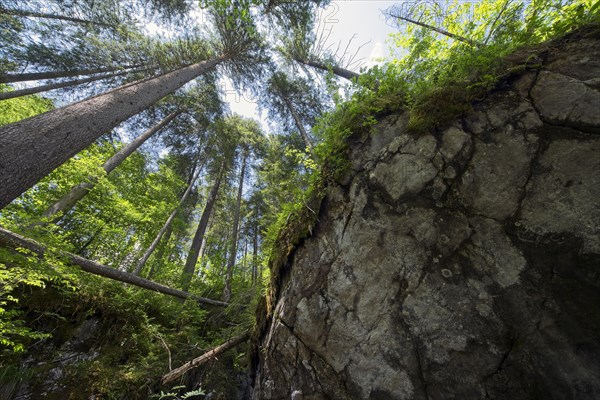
362,19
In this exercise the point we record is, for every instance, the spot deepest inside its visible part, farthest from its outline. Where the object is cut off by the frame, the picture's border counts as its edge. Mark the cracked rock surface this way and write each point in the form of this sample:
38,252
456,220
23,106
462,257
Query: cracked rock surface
463,264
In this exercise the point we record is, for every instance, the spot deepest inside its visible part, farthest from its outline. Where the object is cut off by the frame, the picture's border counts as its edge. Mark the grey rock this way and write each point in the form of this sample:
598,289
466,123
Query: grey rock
562,99
463,267
566,198
453,141
493,183
408,171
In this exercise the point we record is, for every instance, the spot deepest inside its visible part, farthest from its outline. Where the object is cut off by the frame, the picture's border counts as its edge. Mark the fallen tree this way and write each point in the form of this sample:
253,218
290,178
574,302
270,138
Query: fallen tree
14,241
204,358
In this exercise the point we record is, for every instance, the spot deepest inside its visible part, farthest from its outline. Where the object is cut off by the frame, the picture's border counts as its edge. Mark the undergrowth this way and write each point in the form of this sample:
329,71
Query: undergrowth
104,338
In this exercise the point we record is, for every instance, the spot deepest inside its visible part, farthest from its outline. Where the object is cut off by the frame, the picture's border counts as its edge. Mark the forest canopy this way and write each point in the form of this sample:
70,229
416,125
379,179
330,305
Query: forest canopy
118,150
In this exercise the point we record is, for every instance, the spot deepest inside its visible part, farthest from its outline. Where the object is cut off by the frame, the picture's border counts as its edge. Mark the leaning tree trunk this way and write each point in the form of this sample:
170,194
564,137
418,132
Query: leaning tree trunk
160,254
32,148
166,226
255,254
192,258
33,14
14,241
298,121
204,358
438,30
59,85
37,76
78,192
234,236
167,236
339,71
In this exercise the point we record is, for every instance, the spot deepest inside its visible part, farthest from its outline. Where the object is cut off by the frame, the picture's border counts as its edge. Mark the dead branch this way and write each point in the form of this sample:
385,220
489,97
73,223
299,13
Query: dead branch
204,358
436,29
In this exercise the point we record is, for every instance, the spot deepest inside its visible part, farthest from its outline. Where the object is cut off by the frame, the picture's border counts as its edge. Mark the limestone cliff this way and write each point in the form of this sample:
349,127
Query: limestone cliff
460,264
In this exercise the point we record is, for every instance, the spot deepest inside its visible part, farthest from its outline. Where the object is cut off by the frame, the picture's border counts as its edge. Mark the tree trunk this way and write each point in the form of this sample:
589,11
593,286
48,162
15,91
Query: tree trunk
204,358
161,251
339,71
299,125
77,192
87,243
167,225
255,254
36,76
234,235
32,148
59,85
205,242
14,241
192,258
245,257
438,30
33,14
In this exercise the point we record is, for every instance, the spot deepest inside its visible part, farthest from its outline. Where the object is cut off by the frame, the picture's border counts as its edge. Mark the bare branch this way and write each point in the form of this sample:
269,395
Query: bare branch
438,30
493,25
204,358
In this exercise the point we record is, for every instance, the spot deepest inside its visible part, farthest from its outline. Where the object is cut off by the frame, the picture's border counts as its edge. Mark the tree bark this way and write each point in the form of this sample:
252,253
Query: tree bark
299,125
204,358
192,258
438,30
37,76
59,85
14,241
234,236
255,254
78,192
157,239
33,14
339,71
161,251
32,148
87,243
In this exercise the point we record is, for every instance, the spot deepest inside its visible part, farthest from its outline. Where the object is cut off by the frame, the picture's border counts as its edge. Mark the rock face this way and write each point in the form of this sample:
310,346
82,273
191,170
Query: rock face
463,264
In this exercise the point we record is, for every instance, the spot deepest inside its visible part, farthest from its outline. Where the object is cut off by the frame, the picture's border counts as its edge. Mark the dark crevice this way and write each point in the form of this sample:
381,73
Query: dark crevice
312,351
421,372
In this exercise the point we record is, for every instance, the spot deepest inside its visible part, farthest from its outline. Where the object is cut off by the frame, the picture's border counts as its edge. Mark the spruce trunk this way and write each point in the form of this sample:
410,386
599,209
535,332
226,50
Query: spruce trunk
166,226
300,127
192,258
255,254
32,148
339,71
59,85
33,14
438,30
234,236
37,76
14,241
78,192
157,265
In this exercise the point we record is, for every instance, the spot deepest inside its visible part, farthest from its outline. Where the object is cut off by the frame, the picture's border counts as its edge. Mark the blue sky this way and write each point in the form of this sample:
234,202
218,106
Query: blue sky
362,19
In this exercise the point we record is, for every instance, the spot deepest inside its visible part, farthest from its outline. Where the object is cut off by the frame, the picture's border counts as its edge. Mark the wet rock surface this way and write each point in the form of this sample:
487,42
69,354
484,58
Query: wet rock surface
458,265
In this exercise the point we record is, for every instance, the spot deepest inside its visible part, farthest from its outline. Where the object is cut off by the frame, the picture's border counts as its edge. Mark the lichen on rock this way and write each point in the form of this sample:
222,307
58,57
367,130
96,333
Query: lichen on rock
460,264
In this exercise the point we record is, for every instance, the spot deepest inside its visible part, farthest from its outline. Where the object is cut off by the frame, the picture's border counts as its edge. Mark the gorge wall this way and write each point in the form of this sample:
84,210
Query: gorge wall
461,264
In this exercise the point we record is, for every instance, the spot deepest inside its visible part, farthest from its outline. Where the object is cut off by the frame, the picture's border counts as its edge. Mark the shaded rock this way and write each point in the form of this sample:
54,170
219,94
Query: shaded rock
457,265
564,100
565,196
